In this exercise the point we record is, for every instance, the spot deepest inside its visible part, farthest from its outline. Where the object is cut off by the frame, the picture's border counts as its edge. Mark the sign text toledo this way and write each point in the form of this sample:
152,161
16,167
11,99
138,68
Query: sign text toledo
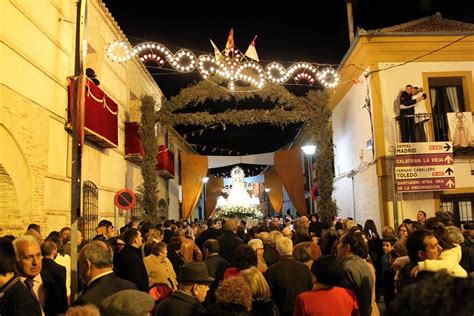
424,167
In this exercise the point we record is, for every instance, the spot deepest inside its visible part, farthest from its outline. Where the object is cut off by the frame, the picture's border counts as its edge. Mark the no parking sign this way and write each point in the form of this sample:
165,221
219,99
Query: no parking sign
125,199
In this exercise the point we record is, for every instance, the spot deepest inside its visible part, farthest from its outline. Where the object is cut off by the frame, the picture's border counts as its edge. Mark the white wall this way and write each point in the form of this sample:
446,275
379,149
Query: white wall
351,131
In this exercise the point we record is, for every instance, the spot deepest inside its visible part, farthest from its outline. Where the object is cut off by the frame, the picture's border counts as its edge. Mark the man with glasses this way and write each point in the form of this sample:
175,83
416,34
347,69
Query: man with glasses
50,295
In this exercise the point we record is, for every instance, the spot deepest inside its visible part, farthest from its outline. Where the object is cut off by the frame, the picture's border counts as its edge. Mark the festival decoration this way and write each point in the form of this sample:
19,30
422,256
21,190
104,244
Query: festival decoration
238,204
229,68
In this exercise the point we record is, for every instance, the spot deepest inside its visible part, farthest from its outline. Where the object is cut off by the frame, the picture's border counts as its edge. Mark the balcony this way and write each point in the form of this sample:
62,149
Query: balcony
437,128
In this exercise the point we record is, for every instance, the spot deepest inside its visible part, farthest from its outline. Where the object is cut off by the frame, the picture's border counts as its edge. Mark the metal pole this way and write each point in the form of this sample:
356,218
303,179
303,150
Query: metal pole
77,135
310,185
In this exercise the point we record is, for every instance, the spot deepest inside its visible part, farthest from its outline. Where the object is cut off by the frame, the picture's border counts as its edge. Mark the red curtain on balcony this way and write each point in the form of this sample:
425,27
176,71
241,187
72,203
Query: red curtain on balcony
101,116
133,143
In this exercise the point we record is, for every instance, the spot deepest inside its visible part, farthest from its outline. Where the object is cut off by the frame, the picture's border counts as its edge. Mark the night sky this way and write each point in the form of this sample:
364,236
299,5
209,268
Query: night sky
287,32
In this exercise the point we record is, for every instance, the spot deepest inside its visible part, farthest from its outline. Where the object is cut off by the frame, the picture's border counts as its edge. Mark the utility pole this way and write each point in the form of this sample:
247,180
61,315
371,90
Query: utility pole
77,121
350,20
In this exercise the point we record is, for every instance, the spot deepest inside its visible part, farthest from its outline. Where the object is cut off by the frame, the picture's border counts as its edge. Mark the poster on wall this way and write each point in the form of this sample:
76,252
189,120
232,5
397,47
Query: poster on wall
460,128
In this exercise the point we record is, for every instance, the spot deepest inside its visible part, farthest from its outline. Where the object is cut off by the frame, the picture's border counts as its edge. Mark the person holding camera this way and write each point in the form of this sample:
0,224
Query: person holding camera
407,114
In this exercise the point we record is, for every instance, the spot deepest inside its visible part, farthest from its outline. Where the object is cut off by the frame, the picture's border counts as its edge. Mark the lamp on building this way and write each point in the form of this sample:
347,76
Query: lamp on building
309,151
205,180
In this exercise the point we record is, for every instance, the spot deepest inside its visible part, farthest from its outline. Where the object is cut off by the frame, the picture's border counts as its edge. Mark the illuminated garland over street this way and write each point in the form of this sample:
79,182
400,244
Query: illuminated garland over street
229,69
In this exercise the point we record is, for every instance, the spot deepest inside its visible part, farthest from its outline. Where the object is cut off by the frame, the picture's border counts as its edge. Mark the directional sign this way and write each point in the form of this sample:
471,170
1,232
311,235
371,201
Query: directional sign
423,160
424,166
125,199
426,184
423,148
423,172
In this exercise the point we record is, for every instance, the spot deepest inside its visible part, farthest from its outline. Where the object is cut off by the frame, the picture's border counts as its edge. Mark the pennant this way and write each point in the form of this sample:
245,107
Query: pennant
204,148
230,41
217,52
251,51
214,149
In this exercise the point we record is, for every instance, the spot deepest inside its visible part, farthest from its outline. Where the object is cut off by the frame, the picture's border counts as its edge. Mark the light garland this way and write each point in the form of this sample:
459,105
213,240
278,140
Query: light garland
231,68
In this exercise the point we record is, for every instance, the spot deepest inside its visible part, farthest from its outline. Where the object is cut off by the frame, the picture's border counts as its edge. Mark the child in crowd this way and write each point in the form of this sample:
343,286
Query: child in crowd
388,275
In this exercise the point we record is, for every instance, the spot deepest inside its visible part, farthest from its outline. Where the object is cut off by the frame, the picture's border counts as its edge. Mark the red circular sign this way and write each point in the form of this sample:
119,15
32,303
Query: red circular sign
125,199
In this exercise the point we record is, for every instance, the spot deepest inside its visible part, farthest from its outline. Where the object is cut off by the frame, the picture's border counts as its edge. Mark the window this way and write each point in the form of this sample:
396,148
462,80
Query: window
90,210
460,205
447,95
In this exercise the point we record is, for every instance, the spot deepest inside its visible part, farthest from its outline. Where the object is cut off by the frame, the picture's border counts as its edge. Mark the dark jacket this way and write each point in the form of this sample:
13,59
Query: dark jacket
467,259
468,240
54,285
177,260
132,268
210,233
179,303
359,279
219,309
267,308
228,243
103,287
17,300
214,262
287,278
406,100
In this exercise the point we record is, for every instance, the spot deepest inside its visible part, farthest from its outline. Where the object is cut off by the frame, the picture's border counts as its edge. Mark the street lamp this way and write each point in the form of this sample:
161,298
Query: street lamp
204,182
309,151
268,201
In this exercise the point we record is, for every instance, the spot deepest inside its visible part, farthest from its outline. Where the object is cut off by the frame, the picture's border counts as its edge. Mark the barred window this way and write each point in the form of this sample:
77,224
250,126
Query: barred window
90,210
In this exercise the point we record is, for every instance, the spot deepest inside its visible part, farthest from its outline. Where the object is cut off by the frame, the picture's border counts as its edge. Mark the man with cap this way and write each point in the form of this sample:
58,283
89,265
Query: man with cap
469,234
193,284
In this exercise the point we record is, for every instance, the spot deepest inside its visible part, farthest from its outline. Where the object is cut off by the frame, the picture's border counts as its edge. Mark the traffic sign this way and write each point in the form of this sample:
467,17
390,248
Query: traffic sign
423,172
125,199
424,166
423,148
424,159
426,184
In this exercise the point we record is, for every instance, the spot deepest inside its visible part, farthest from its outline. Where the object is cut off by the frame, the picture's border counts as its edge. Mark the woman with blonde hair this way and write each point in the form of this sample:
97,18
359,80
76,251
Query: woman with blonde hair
262,303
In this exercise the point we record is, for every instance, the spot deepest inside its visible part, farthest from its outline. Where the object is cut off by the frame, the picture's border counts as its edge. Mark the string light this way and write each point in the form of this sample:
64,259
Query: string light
232,67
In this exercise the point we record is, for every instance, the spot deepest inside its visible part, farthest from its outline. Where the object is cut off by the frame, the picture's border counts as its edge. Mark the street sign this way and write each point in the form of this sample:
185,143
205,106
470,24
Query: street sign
424,166
423,148
425,171
125,199
426,184
423,160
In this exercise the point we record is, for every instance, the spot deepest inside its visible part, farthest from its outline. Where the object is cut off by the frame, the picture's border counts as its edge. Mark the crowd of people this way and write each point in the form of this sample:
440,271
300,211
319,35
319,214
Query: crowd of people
276,266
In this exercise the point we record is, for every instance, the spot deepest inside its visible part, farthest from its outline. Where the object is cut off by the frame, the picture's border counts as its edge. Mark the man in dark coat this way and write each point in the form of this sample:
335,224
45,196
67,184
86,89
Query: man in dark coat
229,241
212,232
49,291
407,114
15,298
95,270
469,234
193,285
54,280
287,278
131,266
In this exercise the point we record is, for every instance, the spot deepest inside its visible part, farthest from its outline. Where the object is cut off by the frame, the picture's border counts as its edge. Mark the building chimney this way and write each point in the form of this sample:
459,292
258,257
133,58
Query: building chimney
350,20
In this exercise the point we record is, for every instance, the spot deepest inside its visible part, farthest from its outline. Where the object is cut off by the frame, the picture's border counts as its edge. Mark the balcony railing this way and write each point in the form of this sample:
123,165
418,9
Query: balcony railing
434,128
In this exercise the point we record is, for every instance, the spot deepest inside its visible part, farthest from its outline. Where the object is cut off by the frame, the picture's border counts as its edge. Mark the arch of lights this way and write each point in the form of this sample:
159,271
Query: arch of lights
231,67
